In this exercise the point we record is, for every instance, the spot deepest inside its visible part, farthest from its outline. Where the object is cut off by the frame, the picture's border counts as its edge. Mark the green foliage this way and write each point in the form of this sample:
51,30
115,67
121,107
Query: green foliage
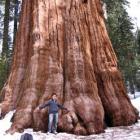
137,43
138,40
119,26
9,11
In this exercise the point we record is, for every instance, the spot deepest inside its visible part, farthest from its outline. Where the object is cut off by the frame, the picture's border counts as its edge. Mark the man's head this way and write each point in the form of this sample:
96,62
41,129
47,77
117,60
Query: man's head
54,96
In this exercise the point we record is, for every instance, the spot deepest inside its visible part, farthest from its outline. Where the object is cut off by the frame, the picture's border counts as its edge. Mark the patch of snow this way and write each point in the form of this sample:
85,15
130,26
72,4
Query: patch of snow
112,133
136,103
131,96
133,11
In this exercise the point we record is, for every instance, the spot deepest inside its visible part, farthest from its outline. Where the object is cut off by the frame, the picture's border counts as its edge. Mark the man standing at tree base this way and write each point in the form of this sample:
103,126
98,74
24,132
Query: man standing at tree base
54,107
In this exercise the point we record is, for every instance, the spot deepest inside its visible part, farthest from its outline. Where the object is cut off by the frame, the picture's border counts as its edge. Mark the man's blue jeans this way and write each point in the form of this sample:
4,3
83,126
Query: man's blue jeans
53,120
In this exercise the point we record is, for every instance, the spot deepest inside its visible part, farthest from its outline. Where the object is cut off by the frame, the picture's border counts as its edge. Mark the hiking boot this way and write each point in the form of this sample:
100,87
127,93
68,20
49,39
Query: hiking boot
55,132
48,133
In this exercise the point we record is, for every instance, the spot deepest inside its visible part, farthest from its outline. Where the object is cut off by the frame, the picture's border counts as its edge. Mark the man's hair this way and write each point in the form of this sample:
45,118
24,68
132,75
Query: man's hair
54,94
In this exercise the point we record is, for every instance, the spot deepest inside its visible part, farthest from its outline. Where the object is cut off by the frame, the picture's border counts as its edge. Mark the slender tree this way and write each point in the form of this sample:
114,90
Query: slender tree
138,41
63,47
16,13
1,20
4,56
5,47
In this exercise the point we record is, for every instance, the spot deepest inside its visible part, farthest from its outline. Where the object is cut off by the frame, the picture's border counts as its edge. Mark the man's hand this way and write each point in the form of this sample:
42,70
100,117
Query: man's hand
38,109
66,111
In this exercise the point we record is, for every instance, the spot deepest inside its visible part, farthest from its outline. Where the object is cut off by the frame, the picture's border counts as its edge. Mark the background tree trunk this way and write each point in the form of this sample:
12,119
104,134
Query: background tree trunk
63,47
5,53
5,45
16,14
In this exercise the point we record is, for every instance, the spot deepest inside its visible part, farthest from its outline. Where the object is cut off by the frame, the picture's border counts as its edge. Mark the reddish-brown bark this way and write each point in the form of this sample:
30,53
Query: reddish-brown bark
63,47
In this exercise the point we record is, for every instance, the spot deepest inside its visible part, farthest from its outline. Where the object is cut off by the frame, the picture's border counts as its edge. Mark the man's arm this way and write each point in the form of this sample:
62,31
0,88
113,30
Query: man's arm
44,105
61,106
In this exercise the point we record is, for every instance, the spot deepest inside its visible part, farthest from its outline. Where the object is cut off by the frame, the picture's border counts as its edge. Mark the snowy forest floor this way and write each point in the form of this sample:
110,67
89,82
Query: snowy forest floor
111,133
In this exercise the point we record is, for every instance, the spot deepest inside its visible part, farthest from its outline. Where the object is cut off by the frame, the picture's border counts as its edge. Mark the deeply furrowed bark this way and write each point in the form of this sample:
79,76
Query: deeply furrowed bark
62,46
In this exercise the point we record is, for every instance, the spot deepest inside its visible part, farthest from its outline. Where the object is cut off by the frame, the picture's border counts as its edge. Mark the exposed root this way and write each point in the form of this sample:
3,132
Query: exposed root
88,119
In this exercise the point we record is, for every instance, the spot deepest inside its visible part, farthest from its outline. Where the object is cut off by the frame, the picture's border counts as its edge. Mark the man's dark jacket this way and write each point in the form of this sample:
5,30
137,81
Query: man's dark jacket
53,105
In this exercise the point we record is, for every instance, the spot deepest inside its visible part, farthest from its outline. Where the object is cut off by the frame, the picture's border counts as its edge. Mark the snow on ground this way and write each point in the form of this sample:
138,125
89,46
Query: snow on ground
114,133
132,96
136,103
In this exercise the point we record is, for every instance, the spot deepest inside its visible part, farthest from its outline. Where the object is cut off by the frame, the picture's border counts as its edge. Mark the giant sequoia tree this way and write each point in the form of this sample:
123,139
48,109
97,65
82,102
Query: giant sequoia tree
62,46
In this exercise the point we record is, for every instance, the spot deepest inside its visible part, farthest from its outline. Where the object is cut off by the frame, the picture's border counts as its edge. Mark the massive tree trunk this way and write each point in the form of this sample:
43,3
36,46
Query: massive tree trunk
62,46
